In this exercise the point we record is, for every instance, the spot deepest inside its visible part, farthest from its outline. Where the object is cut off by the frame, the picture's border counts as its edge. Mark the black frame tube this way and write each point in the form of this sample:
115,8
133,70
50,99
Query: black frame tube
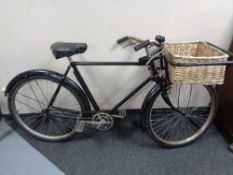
132,93
103,63
217,63
85,87
58,88
223,50
88,92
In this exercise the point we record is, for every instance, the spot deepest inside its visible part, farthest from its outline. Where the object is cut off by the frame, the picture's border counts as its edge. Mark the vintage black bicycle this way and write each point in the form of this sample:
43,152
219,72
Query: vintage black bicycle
52,107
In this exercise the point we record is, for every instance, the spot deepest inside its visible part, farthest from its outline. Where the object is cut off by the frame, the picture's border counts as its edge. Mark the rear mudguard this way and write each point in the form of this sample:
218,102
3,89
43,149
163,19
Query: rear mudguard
54,75
148,102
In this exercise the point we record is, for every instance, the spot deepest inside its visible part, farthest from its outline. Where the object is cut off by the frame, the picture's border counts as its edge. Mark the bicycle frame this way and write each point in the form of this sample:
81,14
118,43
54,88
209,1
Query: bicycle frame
75,64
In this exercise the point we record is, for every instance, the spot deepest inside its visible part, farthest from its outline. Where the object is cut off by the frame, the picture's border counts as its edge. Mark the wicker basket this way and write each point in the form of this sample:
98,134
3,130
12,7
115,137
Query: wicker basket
195,52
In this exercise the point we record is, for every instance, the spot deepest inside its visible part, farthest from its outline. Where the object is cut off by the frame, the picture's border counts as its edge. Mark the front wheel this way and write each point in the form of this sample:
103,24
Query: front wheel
196,106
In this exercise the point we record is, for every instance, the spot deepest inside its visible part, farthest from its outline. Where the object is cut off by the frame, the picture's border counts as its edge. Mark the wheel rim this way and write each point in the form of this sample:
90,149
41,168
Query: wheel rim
173,128
29,103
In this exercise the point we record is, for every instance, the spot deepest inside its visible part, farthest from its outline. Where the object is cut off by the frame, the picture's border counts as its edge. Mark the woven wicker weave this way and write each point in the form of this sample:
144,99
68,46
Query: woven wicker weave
195,52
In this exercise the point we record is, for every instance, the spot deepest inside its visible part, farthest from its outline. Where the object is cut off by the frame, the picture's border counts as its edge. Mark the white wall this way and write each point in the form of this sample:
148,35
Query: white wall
29,27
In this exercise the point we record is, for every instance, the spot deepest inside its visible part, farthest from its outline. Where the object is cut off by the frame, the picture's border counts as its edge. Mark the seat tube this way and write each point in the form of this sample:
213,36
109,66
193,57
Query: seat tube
85,87
58,88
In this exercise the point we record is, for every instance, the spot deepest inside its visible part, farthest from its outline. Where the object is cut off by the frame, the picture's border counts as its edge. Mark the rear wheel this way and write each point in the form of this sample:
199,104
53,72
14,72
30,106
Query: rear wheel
28,101
171,128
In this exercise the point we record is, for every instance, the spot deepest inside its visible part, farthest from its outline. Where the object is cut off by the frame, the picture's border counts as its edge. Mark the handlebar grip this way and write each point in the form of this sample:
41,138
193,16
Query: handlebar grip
142,45
121,40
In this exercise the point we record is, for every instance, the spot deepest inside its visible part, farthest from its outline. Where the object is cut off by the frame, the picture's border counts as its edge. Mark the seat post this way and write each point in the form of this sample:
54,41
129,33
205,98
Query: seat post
70,59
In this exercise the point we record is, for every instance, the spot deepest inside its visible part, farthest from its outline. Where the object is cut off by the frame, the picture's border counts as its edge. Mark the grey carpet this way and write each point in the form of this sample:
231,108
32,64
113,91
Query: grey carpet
17,157
127,150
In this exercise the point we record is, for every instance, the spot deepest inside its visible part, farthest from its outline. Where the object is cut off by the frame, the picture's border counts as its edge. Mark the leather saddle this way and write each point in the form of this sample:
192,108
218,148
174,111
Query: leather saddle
65,49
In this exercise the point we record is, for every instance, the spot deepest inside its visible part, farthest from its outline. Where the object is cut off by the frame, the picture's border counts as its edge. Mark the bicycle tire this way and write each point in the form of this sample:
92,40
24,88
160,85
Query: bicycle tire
68,132
164,138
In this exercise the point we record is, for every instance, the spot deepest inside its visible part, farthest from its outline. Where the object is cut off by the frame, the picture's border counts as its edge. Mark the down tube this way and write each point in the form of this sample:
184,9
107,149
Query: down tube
131,94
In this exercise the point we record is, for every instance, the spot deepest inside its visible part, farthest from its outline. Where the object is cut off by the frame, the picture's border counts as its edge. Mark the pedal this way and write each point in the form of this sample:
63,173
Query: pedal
123,113
80,126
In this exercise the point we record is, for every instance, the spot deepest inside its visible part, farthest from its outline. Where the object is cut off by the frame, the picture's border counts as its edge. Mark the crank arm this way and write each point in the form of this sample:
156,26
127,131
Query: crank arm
83,122
91,122
118,116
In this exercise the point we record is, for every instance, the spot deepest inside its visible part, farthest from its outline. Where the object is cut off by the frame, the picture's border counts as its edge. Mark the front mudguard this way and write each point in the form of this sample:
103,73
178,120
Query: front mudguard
148,102
54,75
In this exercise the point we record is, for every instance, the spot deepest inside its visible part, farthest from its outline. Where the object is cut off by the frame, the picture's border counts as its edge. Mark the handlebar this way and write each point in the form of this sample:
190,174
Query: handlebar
144,44
126,38
123,39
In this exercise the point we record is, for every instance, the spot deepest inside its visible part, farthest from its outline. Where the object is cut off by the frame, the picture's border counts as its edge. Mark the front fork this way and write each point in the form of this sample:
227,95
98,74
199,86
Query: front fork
164,86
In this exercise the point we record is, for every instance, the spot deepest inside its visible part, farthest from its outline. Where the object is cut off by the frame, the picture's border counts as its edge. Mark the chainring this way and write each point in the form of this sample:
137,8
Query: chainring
104,121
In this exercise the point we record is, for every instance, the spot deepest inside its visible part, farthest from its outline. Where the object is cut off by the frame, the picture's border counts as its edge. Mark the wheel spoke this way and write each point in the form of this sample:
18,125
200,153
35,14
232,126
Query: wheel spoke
63,123
31,98
29,102
35,95
36,123
53,126
28,117
42,92
27,105
173,129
